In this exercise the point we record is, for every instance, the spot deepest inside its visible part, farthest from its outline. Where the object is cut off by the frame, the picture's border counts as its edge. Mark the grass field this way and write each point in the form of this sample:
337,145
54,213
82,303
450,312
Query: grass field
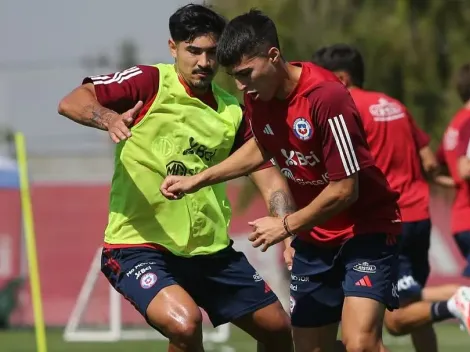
451,339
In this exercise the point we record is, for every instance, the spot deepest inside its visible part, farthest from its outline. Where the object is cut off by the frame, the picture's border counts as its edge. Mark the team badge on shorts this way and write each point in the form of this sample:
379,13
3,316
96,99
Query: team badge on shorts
302,129
148,280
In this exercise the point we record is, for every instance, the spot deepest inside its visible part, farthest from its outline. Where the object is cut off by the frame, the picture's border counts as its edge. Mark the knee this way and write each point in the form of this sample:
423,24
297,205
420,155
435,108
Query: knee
183,330
394,324
187,330
277,332
362,343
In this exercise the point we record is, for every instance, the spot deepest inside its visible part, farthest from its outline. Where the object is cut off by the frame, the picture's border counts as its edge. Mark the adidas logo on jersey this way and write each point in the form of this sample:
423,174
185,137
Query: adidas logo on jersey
268,130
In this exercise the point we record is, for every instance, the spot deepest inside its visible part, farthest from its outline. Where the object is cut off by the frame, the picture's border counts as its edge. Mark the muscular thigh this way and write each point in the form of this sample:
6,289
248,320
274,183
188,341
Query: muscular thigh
140,274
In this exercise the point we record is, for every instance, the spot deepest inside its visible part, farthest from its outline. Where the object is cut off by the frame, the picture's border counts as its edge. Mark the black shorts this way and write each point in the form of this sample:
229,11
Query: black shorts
224,284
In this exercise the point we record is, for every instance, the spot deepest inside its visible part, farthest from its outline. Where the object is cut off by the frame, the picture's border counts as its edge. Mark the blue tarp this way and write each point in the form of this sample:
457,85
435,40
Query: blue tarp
8,173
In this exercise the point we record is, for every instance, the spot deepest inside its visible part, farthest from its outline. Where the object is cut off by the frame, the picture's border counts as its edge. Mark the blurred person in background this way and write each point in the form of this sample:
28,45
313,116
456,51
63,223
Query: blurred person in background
454,152
170,258
345,262
401,150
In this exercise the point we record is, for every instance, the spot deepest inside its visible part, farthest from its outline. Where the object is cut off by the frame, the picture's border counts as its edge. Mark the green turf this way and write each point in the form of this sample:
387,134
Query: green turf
451,339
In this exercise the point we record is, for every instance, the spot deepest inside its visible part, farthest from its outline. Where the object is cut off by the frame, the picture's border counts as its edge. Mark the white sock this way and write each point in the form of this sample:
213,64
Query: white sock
452,307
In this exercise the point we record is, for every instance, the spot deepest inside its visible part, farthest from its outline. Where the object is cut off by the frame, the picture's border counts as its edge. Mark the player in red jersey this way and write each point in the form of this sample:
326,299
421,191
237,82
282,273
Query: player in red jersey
401,151
454,151
345,263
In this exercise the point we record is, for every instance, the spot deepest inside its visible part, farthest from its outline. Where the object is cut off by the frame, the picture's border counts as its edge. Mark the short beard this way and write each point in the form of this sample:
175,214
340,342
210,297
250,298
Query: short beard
202,84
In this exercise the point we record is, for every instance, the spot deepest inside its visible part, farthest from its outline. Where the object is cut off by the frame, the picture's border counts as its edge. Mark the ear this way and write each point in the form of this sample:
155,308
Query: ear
172,46
274,55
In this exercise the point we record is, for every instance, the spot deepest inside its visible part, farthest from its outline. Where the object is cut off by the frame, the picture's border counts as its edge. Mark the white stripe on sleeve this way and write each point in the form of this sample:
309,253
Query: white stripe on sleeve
344,144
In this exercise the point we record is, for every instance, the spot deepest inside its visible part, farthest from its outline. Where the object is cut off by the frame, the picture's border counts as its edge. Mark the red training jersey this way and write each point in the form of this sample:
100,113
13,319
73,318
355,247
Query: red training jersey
395,141
455,144
316,135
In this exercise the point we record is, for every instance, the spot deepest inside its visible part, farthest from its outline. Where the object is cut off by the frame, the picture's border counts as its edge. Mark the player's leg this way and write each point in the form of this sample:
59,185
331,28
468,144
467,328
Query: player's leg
413,316
232,291
371,267
146,278
316,298
462,239
439,293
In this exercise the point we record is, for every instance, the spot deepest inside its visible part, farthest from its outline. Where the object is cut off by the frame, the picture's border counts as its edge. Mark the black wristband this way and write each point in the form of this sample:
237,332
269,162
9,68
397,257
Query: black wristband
286,227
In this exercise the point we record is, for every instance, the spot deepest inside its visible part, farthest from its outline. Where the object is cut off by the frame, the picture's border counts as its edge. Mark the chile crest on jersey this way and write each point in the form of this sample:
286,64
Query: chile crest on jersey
302,129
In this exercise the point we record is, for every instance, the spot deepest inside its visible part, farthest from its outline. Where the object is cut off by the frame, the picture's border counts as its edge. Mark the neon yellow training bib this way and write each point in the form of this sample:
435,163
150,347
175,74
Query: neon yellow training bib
179,135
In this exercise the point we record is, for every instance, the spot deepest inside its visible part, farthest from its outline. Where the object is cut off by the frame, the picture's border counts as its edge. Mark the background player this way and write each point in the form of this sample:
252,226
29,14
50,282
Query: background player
401,150
168,258
345,250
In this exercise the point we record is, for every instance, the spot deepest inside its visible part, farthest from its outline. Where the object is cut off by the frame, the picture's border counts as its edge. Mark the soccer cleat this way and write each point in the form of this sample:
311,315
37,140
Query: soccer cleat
460,303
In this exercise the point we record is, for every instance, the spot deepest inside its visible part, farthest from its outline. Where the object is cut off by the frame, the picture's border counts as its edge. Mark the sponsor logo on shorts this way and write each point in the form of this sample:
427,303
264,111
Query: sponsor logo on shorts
291,304
257,277
148,280
406,282
140,269
365,268
299,278
364,282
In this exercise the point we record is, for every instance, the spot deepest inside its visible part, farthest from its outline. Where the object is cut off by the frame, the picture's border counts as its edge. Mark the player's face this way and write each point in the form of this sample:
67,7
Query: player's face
195,61
257,76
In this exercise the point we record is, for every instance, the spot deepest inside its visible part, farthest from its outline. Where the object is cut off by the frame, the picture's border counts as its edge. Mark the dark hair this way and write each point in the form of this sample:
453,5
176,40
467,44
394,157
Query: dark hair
341,57
463,82
251,34
192,21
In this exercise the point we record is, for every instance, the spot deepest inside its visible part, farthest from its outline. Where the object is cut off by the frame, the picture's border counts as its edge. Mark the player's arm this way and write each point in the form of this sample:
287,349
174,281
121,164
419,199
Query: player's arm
429,162
463,152
271,184
443,179
245,160
116,97
345,153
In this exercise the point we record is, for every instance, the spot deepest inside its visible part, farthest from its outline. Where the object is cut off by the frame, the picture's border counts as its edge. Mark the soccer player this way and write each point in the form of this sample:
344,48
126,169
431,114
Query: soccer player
455,152
401,150
345,263
169,258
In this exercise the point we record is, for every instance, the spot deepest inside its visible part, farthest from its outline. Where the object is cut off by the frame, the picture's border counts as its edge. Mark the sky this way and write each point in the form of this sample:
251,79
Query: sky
43,45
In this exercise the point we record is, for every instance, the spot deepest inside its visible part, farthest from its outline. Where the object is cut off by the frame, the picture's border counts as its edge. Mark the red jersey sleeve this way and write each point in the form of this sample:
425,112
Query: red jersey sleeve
463,143
344,146
244,134
419,136
120,91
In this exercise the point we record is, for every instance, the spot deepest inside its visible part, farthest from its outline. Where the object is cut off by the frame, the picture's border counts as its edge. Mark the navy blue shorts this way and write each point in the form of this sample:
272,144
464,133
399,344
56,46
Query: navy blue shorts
414,266
364,266
224,284
463,242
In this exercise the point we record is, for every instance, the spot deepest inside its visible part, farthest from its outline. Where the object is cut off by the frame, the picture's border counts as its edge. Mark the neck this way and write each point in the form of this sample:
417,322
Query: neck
467,105
290,76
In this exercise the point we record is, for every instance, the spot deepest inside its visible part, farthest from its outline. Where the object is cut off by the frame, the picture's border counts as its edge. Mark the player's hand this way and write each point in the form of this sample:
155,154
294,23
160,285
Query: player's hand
288,254
175,187
267,232
118,125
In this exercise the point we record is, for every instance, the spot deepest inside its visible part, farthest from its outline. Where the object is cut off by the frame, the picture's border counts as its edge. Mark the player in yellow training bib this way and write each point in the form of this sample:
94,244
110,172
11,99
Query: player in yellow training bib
170,257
